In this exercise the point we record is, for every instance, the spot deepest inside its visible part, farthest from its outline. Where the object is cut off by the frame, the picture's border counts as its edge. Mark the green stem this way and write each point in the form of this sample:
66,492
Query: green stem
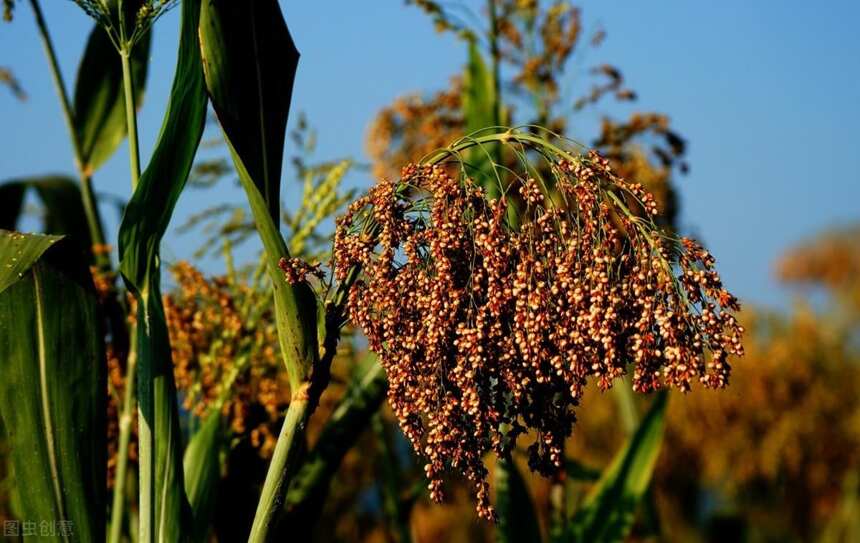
125,421
130,116
303,404
87,196
145,377
310,484
282,467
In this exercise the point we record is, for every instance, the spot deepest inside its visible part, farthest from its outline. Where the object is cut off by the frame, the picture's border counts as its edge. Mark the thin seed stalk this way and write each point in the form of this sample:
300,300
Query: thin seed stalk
145,378
130,116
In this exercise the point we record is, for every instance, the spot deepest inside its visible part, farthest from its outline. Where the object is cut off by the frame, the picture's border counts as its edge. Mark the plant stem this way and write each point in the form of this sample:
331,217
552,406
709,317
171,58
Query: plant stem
304,402
91,211
282,467
130,116
125,421
145,378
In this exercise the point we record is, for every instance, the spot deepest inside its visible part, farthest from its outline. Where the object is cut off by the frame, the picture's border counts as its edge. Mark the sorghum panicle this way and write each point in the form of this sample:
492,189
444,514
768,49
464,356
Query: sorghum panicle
490,330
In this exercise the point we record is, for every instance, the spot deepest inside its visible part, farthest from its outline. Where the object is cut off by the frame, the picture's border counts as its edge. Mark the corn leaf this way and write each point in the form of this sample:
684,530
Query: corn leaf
517,519
99,102
52,394
164,508
203,472
609,510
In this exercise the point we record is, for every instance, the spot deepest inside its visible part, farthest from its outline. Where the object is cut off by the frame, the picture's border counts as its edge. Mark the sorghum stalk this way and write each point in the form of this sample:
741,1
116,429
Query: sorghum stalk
143,373
281,467
130,113
305,398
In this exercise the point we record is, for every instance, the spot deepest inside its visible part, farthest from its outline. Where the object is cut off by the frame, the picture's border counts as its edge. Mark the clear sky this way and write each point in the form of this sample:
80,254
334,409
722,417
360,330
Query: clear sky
766,92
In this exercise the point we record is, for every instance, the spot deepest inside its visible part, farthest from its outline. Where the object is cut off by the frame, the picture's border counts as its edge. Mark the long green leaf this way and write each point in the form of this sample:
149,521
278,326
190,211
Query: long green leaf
480,103
203,472
52,396
164,508
517,519
249,60
99,103
609,510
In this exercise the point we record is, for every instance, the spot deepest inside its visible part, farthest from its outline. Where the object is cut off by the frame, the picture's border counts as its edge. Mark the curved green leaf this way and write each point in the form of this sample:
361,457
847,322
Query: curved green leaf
61,198
52,394
99,102
250,62
517,519
609,509
18,253
164,509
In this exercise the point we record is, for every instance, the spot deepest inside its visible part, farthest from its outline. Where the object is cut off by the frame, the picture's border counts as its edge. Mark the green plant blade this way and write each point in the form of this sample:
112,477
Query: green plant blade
250,62
252,108
19,252
608,511
203,472
164,508
480,103
517,519
99,103
52,398
61,198
310,485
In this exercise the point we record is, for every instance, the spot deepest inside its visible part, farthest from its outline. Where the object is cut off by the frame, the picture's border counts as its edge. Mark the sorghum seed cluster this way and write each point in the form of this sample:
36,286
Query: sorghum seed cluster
489,328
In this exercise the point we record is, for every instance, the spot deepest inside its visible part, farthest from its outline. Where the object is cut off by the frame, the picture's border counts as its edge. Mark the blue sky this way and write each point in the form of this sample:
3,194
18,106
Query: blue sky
767,93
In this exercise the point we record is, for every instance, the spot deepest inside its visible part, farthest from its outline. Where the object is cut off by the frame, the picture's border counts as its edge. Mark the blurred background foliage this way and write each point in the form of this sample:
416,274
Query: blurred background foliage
772,458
